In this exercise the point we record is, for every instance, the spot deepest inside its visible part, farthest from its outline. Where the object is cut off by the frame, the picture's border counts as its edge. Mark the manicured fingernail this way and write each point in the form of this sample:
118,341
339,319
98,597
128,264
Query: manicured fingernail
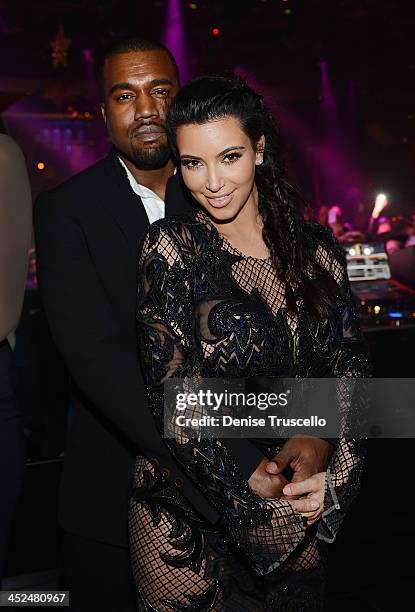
287,490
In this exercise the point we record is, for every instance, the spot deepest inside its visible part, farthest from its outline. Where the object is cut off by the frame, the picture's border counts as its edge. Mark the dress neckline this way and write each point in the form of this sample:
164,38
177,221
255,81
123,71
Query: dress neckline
201,215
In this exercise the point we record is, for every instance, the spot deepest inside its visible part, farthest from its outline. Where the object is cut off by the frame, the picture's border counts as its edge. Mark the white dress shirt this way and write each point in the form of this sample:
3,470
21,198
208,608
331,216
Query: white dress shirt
154,206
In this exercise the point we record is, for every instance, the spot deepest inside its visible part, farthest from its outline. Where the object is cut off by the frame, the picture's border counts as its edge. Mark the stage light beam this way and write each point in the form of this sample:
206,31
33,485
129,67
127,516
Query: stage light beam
174,37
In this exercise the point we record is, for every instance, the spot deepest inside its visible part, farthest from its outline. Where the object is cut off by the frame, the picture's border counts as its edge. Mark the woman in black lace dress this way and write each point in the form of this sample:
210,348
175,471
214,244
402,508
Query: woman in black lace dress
240,288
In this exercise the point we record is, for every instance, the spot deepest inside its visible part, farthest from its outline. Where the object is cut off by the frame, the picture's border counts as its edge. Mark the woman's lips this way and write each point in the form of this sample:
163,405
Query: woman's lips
220,201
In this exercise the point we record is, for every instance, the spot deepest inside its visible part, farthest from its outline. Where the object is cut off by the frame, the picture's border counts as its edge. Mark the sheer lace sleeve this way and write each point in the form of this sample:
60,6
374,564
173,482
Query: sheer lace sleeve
352,362
266,531
15,232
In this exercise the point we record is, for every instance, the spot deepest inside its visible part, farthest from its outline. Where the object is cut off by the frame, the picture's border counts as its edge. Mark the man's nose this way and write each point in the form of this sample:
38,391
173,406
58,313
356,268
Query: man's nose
214,182
145,107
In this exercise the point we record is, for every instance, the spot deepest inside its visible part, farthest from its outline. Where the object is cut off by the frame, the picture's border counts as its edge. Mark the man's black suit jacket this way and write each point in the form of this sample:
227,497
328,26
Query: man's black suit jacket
87,238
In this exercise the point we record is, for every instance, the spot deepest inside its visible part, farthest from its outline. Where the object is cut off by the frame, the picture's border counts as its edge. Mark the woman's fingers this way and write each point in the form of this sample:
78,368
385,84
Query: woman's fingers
307,497
313,484
309,485
305,505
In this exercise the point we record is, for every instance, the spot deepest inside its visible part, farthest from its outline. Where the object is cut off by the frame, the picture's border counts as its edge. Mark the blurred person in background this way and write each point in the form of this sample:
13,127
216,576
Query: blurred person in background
401,235
336,223
403,230
15,234
341,229
379,224
384,226
392,245
322,214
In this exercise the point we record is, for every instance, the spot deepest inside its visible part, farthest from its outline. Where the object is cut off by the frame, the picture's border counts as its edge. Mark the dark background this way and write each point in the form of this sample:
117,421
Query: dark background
278,45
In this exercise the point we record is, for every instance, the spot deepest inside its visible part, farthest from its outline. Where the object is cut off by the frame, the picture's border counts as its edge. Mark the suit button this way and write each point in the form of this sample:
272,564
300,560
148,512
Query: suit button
165,473
178,482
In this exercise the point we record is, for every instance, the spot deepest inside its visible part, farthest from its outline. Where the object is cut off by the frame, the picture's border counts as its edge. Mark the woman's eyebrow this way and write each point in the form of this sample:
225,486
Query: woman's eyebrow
236,148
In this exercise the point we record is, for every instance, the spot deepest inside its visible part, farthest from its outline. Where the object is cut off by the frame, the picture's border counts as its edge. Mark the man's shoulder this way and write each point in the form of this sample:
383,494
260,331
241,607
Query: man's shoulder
78,188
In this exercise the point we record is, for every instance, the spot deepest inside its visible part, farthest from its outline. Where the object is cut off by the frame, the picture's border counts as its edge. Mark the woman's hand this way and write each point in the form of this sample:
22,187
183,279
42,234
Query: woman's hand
265,484
307,496
309,505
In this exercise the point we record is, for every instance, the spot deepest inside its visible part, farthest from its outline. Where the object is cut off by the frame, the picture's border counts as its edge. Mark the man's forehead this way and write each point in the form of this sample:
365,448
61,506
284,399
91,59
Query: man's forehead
148,65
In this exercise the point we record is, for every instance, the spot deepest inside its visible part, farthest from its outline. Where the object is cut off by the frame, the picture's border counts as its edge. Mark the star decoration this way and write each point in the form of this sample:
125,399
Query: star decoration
60,48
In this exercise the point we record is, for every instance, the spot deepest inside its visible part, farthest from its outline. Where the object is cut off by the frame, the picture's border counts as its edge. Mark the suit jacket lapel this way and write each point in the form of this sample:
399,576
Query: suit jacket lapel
124,205
178,199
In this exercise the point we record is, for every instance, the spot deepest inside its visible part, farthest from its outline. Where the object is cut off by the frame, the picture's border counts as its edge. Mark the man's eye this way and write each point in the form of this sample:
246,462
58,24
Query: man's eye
161,92
126,96
191,164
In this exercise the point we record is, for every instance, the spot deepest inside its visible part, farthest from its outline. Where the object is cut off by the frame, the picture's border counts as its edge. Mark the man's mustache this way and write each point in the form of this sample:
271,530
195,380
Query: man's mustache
148,128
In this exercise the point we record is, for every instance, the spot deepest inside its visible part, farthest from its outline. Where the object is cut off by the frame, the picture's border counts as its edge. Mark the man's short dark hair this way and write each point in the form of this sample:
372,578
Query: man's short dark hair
131,44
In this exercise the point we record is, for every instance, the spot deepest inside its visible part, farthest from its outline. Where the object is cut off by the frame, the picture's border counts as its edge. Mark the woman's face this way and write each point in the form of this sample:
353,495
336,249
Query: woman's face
218,166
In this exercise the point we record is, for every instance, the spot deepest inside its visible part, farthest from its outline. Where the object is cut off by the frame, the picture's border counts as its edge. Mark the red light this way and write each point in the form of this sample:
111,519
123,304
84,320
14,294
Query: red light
215,31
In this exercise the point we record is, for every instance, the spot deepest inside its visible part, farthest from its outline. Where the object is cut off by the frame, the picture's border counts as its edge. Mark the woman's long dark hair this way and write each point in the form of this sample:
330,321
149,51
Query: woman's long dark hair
280,204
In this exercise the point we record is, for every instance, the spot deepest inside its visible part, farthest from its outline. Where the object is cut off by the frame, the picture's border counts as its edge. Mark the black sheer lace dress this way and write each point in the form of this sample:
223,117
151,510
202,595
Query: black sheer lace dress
207,310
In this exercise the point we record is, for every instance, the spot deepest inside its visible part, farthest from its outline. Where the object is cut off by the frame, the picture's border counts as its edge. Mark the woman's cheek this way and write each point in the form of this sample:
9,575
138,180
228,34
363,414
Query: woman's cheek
242,173
193,182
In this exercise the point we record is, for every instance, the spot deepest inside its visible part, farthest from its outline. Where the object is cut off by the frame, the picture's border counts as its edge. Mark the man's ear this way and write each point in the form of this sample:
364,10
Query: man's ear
259,152
103,113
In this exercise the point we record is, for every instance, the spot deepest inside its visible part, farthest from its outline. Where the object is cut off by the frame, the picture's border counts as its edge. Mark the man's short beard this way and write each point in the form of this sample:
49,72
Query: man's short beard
151,158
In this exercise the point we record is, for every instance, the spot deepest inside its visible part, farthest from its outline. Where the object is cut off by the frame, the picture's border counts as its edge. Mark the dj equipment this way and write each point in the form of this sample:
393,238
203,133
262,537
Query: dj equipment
384,303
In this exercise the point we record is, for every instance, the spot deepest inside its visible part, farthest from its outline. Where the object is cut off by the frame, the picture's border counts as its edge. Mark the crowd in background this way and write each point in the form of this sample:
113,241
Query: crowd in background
397,232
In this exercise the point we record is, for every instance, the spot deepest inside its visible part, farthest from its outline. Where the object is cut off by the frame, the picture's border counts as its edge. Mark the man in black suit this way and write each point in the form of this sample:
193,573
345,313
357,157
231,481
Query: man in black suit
87,234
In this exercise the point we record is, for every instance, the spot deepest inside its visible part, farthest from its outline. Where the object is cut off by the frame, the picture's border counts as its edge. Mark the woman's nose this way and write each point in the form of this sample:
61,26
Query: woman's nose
214,181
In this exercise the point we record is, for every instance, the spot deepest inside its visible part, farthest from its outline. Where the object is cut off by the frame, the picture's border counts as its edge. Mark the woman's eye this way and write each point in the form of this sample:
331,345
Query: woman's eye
229,158
191,164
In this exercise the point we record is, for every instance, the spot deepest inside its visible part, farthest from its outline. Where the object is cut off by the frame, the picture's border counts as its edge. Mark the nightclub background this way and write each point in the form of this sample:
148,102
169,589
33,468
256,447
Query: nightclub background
339,76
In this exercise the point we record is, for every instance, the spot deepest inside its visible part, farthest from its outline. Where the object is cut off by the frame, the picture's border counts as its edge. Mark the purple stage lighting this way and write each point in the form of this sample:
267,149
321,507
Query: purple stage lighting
324,153
91,84
174,37
326,93
88,55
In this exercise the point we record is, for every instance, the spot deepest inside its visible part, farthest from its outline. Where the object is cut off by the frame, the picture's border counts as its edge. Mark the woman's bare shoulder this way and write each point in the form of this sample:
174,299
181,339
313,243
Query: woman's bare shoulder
10,150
